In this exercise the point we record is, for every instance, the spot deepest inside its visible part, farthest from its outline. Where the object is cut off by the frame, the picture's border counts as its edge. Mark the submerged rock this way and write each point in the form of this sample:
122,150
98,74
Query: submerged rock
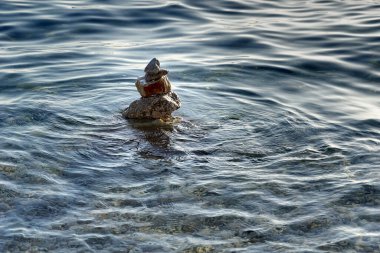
155,107
157,100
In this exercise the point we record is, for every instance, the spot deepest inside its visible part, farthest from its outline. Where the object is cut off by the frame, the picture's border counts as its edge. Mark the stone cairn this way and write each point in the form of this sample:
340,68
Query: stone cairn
157,100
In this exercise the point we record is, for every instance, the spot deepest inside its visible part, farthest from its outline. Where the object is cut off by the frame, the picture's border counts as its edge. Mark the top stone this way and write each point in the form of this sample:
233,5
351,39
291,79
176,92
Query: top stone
153,66
153,71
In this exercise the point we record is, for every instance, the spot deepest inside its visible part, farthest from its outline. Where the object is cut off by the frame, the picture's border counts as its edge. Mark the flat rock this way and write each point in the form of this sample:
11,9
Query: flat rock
155,107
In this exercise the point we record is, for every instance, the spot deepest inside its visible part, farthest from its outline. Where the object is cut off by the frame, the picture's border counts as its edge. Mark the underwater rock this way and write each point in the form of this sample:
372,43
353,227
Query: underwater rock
155,107
157,101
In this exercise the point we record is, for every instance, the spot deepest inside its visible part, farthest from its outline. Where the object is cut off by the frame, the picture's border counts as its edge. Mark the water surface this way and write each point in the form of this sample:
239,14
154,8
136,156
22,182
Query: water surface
277,150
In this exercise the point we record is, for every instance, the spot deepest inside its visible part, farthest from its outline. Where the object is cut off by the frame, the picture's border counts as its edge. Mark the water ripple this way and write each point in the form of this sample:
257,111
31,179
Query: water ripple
277,147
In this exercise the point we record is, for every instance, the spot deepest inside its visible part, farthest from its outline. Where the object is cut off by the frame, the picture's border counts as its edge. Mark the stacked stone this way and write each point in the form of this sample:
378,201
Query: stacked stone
153,71
157,100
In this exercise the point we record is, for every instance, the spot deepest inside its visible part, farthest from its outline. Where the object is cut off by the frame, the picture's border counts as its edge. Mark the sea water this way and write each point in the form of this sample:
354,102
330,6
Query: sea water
277,149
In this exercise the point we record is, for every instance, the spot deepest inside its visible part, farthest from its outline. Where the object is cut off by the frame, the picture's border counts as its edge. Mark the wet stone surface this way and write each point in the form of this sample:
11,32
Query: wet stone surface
155,107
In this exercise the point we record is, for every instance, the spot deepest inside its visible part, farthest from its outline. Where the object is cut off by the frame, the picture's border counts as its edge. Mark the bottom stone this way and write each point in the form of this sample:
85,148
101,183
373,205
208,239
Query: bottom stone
156,107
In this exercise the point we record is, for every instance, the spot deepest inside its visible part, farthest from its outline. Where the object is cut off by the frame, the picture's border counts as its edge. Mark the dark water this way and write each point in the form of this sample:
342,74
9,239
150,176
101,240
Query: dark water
278,149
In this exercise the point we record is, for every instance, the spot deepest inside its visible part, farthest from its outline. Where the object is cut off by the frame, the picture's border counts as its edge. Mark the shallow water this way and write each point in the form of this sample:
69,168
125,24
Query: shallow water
277,150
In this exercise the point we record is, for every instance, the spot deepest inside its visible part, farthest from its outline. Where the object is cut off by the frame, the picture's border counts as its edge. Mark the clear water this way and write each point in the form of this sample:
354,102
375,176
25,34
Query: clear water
277,150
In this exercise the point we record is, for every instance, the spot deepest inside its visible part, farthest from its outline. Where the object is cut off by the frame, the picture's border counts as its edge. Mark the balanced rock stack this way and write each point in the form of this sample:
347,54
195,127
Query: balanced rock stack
157,100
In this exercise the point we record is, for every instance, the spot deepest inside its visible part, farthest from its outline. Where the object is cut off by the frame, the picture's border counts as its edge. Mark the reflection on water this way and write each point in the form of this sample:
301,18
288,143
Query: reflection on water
276,149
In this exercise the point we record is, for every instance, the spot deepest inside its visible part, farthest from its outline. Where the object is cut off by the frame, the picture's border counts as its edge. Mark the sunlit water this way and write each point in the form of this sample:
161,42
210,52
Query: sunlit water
278,149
